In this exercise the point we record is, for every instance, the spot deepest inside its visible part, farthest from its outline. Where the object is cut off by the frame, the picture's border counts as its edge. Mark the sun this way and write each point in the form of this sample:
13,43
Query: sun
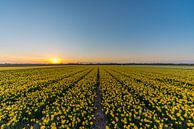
55,61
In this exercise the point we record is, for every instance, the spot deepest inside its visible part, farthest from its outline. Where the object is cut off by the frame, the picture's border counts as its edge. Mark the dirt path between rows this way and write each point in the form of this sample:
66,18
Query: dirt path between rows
100,121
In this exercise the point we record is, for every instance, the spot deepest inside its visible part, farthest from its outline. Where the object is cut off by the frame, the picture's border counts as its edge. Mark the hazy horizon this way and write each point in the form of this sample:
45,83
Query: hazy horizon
97,31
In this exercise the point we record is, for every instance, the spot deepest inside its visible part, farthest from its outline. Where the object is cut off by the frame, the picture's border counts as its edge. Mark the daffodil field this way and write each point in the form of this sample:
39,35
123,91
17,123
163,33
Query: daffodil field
63,97
140,97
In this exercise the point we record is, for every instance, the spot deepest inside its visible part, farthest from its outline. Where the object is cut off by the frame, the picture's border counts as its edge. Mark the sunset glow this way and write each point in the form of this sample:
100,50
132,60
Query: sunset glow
55,61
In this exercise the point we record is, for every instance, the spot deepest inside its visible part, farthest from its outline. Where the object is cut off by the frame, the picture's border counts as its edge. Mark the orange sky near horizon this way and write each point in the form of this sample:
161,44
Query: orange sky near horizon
132,59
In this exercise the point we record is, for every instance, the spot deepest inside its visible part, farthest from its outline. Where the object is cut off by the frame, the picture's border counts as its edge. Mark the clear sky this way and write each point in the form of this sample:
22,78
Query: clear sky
97,30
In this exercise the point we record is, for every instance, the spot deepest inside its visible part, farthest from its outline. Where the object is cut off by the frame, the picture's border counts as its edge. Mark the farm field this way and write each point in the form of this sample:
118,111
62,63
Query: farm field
92,96
23,67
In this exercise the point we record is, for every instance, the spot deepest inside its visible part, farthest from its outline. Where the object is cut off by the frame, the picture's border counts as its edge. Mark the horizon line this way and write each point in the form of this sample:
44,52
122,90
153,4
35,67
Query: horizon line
98,63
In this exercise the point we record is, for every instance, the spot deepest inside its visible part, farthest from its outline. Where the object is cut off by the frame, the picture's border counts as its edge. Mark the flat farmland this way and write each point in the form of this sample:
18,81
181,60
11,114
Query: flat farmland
97,97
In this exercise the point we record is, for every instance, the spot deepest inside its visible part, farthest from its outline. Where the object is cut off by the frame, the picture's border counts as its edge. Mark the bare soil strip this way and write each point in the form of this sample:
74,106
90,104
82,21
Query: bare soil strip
100,121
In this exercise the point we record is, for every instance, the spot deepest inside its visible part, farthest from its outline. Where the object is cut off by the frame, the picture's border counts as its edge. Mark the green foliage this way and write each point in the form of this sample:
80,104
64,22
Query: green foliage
64,97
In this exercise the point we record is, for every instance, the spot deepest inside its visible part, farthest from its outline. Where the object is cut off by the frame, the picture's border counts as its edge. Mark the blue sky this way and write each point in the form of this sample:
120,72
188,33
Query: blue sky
97,30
